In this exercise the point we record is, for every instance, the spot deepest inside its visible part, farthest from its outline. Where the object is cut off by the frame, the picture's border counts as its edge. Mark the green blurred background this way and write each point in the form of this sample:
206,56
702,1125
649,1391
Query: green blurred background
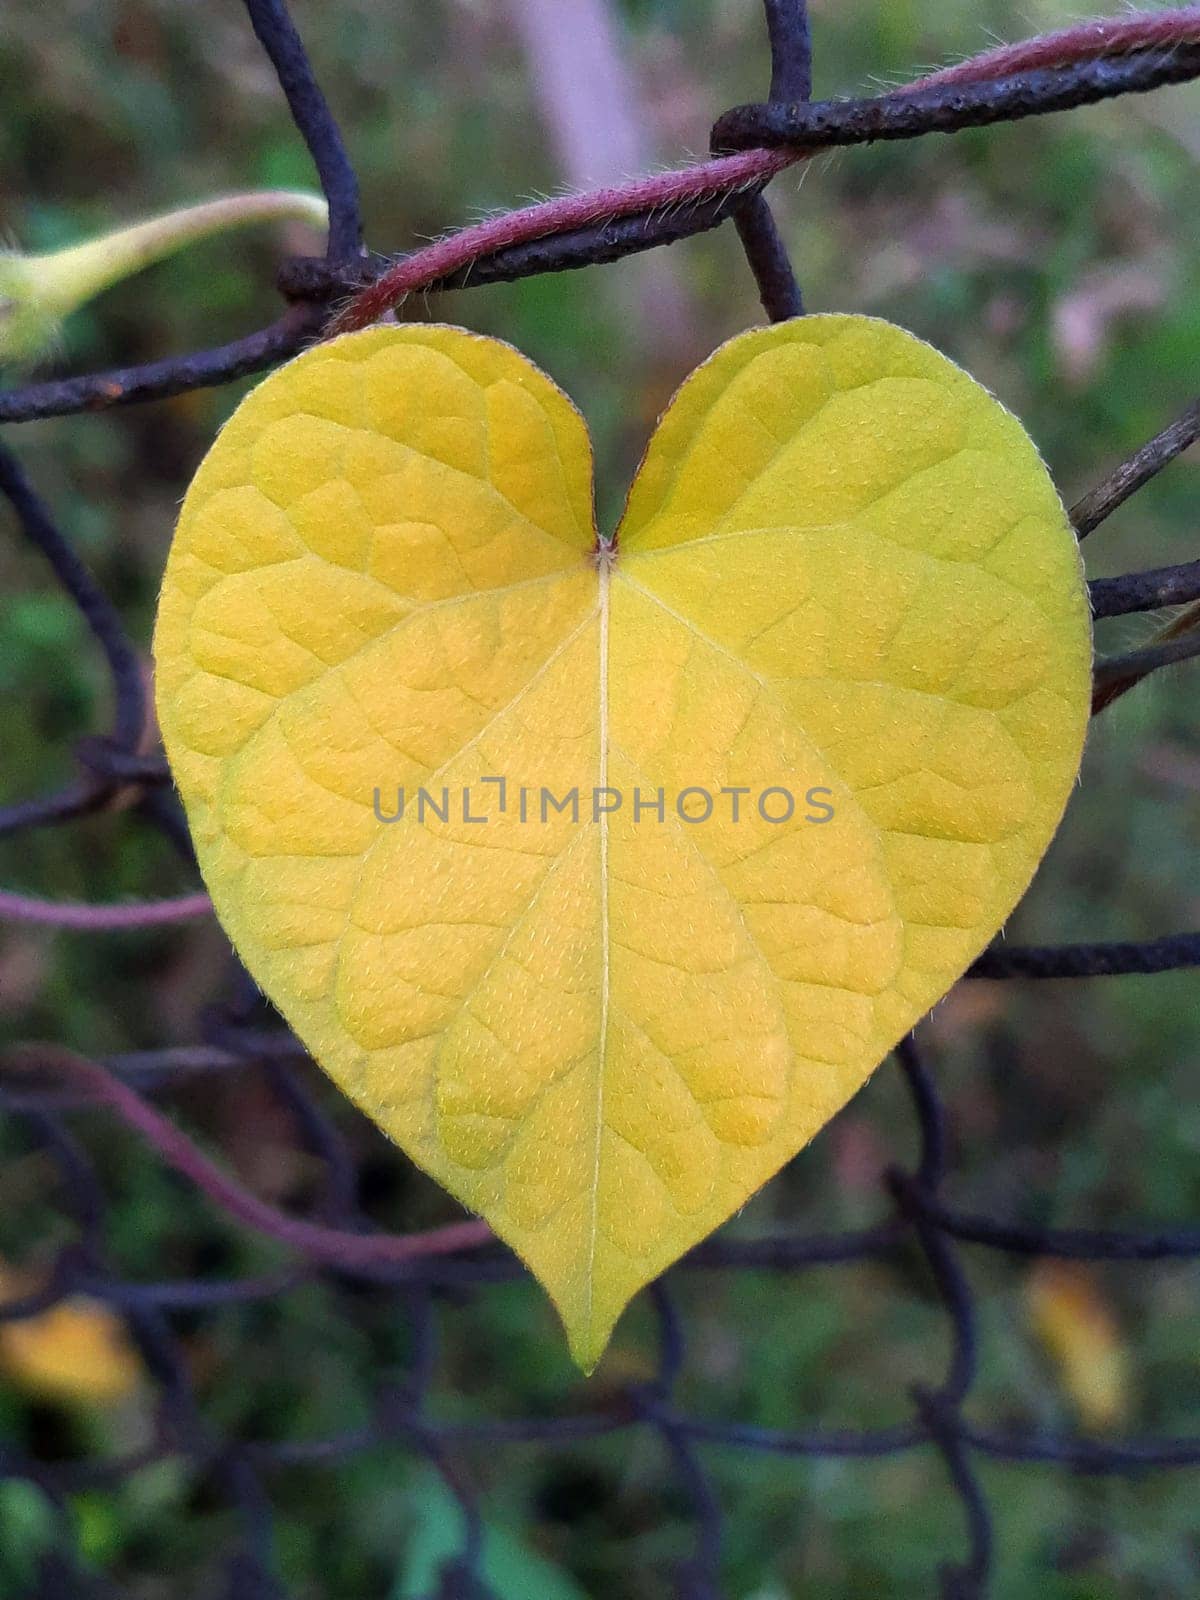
1059,261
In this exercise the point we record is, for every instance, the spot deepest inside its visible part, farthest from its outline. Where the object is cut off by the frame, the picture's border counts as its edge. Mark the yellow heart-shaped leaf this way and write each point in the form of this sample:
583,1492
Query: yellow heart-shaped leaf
602,874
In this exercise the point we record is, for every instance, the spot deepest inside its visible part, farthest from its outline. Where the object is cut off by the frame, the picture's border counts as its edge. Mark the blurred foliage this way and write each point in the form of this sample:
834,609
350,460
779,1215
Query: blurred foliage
1059,261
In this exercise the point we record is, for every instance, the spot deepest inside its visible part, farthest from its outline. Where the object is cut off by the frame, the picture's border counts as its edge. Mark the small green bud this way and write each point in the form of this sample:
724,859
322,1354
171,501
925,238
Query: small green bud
37,292
28,326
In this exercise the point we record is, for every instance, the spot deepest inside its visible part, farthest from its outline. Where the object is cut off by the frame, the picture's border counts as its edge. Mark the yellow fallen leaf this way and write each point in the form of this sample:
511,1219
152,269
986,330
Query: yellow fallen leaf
77,1352
844,589
1071,1318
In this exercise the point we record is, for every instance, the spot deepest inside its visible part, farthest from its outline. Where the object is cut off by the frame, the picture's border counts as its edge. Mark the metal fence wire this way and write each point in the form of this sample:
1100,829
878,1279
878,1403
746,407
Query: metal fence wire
336,1242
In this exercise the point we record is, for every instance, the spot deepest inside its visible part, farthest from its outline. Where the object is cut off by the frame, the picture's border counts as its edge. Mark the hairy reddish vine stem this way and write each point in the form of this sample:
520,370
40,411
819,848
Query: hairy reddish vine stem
722,175
1083,41
85,918
335,1246
747,169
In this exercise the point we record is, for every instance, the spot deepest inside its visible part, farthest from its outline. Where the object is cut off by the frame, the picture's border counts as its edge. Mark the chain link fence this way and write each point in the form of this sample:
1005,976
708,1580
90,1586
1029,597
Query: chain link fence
43,1087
